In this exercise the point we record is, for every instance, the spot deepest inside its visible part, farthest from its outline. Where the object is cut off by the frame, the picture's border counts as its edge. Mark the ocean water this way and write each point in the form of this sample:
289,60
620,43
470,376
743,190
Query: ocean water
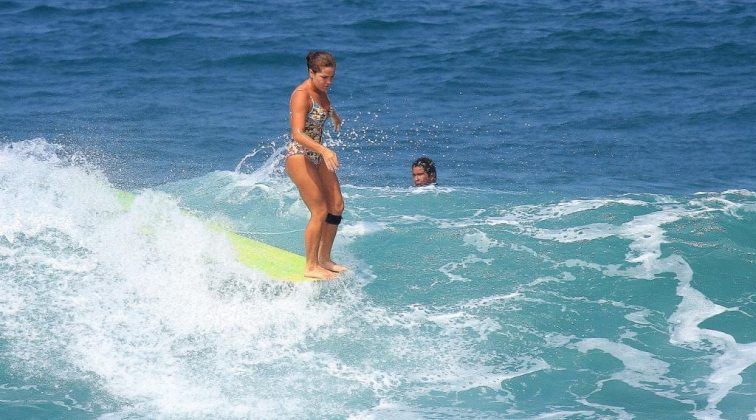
589,251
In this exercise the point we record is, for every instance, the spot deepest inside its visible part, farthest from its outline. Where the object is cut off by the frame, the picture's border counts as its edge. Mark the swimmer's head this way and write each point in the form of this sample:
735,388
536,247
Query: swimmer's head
423,172
317,60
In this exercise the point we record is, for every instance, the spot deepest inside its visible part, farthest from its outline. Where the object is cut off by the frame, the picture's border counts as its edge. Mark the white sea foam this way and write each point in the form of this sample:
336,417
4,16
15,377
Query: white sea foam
646,235
390,192
582,233
641,367
149,305
639,317
480,241
560,414
619,412
491,301
449,268
357,229
391,409
559,210
563,277
448,369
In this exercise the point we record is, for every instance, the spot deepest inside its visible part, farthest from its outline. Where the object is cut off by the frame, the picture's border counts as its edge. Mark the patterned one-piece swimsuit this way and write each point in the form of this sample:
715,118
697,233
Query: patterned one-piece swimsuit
314,123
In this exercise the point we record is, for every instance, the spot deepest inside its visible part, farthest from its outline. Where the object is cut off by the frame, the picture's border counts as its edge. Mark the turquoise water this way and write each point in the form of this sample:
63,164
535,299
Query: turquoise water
588,253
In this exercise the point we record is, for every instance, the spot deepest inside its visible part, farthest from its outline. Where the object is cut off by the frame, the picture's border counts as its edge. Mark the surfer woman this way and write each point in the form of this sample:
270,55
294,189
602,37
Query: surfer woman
312,166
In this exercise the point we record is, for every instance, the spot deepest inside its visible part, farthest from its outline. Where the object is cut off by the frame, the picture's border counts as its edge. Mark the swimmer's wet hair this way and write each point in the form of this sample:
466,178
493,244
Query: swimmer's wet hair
427,164
317,60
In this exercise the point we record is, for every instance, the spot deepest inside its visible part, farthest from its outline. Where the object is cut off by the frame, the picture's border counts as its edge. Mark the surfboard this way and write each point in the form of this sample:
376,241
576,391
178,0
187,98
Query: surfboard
275,262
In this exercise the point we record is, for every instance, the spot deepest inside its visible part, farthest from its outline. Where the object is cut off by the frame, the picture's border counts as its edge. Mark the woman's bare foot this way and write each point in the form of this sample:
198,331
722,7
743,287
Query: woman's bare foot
319,272
330,265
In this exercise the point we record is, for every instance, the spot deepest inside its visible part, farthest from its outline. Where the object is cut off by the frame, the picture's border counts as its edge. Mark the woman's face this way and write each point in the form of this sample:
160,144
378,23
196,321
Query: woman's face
322,80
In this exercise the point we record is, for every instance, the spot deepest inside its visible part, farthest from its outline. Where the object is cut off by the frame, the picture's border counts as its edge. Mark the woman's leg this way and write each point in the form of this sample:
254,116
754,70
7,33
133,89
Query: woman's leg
335,205
305,176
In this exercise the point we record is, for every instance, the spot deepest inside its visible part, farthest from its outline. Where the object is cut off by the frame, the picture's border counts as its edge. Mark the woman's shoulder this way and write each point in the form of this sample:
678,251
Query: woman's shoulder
300,98
302,87
300,92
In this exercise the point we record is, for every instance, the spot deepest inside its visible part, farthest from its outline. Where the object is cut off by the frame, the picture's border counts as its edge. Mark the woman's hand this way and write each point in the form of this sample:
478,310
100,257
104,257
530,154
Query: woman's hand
330,159
336,120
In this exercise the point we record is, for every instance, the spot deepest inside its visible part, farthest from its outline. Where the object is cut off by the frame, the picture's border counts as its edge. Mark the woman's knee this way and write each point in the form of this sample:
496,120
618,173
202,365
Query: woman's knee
336,206
318,210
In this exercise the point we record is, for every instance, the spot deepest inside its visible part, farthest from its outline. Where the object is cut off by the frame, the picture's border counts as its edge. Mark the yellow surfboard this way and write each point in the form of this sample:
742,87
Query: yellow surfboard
277,263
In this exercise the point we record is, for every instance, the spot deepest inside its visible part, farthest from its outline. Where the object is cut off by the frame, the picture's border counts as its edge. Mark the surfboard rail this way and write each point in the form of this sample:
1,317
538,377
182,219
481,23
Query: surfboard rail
275,262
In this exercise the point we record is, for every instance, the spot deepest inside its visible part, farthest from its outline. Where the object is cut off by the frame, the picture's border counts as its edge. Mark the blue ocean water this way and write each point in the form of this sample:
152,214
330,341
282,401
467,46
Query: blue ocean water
589,251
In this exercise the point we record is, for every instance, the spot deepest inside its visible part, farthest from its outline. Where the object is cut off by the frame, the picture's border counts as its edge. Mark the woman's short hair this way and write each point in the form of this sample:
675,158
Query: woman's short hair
317,60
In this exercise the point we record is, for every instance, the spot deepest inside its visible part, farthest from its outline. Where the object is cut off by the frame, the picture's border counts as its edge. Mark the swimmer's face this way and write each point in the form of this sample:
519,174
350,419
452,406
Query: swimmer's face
322,80
420,177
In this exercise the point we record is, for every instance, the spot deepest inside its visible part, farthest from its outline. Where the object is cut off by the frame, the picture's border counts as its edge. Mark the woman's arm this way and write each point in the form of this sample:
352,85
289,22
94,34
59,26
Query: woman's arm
335,119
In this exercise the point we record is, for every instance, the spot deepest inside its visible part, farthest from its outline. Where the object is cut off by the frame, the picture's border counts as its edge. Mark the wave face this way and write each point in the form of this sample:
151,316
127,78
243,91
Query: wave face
461,302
